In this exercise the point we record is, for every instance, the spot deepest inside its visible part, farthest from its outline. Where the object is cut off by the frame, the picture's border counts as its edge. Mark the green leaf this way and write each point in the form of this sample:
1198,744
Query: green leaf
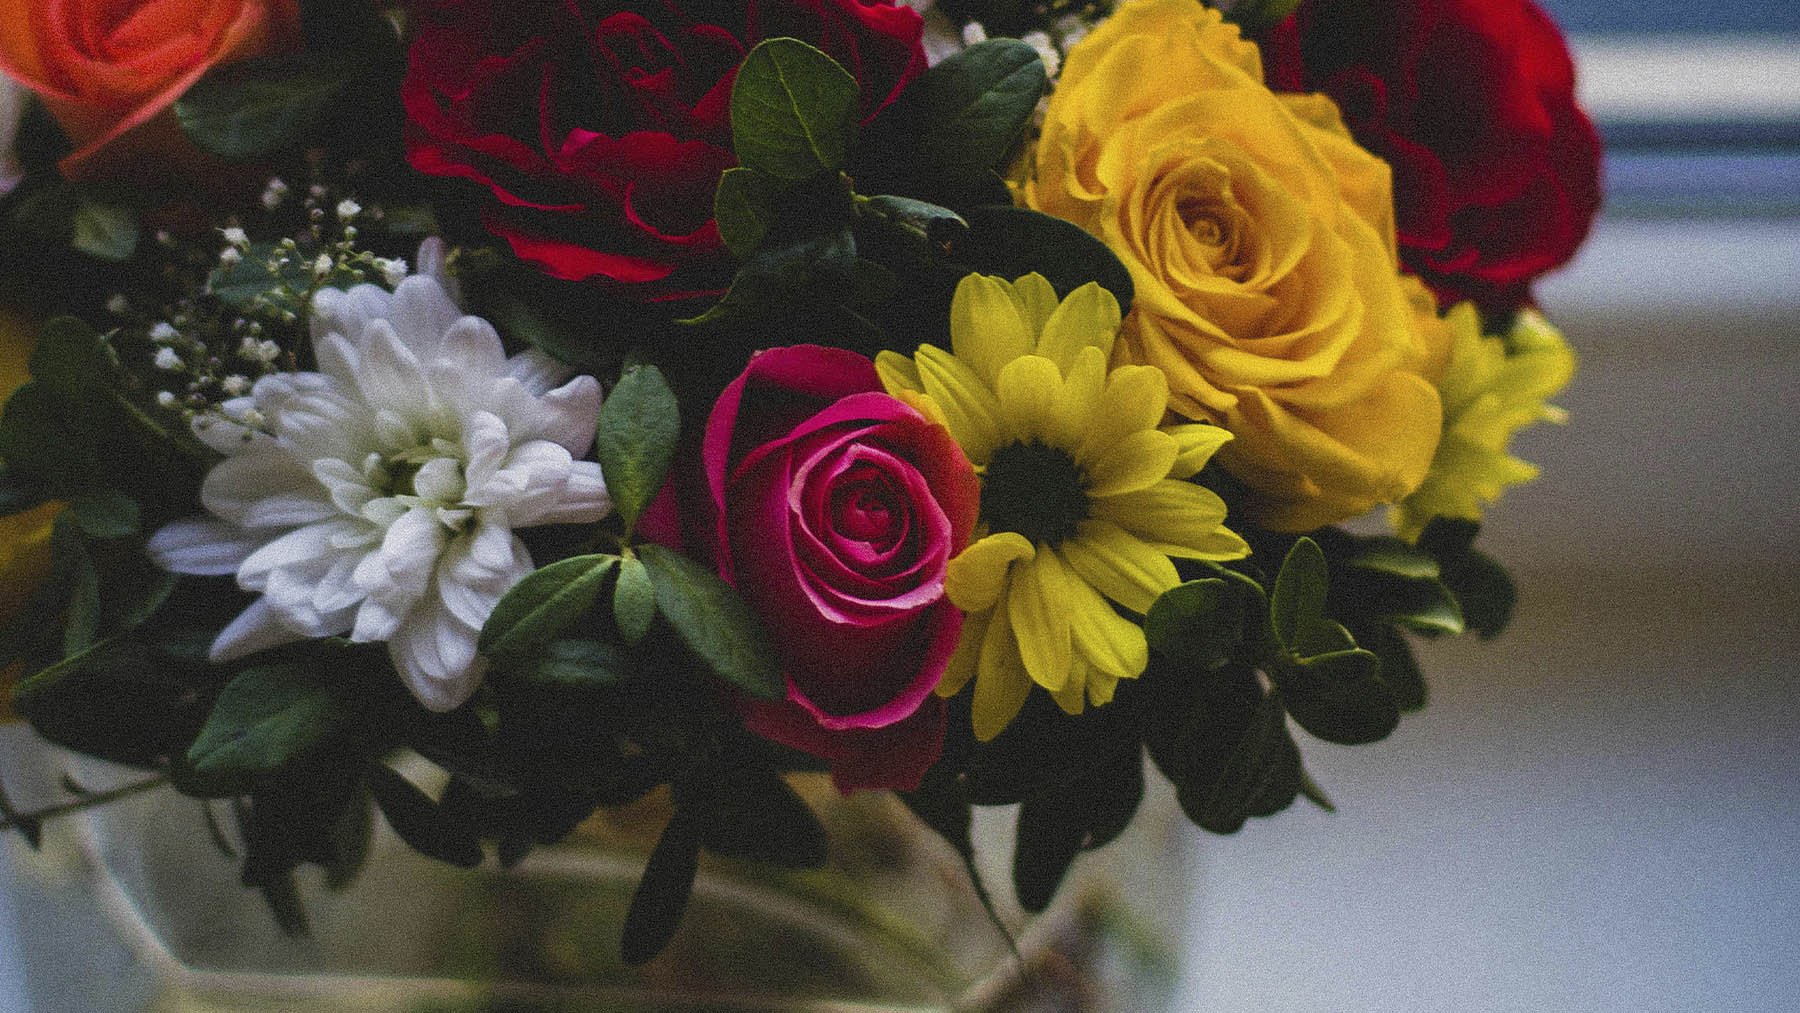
1258,16
714,622
266,717
1010,242
1339,697
976,104
1384,581
18,493
634,600
1300,588
793,110
744,207
1399,669
662,895
1229,752
1483,589
924,221
251,107
105,513
640,425
82,626
1057,824
583,664
779,275
544,604
749,812
240,283
1199,621
423,824
70,357
106,231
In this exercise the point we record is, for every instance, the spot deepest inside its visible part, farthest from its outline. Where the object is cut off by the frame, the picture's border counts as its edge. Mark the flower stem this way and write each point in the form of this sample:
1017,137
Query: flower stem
14,819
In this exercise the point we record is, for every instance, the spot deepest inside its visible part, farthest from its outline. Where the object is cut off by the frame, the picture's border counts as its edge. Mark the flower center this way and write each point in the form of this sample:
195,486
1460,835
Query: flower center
1035,490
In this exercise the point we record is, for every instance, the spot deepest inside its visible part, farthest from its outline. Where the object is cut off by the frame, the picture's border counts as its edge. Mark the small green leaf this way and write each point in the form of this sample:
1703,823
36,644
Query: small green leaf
18,493
1299,599
925,221
634,600
640,425
264,719
1011,241
106,231
105,513
749,812
793,110
777,276
744,208
1483,589
662,895
714,622
1230,754
544,604
252,107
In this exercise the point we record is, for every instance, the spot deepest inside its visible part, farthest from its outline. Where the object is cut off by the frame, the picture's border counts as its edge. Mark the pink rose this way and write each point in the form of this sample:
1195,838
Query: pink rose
837,509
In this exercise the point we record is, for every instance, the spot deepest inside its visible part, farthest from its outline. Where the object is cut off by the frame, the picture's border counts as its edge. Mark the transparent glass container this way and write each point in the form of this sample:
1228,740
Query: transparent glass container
890,923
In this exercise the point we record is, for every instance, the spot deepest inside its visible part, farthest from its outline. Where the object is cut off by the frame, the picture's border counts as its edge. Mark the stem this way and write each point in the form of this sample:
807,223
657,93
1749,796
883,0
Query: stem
86,802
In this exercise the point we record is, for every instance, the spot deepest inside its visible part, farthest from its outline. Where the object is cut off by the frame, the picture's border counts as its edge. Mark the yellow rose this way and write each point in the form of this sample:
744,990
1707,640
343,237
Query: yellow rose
24,537
1491,388
1260,238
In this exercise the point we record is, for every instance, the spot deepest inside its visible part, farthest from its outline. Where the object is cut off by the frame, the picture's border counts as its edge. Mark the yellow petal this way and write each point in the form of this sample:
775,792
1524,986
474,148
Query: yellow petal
1037,603
961,666
1134,399
1176,518
1136,462
1198,444
1100,688
898,372
1001,684
987,328
1072,696
970,410
977,577
1031,402
1118,564
1088,318
1036,299
1105,640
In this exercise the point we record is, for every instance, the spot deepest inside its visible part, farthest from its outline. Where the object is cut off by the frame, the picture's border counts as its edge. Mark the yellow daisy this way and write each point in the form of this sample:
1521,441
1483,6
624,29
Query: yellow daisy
1083,498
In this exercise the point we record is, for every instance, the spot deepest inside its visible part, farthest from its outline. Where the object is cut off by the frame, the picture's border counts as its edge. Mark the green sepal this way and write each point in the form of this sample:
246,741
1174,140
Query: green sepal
793,110
543,604
640,425
714,623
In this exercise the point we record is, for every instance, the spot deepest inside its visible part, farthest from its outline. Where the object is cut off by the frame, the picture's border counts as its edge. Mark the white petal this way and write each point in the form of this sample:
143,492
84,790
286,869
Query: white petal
391,380
493,546
257,628
486,442
374,622
202,546
473,346
344,483
337,356
335,311
439,479
422,312
410,551
567,415
469,588
335,590
264,487
306,550
435,655
434,263
583,499
221,432
537,371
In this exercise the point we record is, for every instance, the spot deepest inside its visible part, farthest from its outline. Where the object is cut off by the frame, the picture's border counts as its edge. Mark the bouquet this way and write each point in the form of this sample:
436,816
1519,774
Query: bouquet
599,399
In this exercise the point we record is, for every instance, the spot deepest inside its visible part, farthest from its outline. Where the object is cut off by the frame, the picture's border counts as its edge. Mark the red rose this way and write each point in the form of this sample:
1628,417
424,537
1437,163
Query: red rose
838,508
1496,169
600,133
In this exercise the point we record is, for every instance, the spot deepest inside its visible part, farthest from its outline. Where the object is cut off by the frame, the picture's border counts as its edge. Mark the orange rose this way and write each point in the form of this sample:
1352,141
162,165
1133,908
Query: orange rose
109,70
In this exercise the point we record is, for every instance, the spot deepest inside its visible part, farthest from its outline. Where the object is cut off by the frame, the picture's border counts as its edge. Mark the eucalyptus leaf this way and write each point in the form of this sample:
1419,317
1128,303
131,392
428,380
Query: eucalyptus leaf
793,110
544,604
634,600
640,425
267,717
714,622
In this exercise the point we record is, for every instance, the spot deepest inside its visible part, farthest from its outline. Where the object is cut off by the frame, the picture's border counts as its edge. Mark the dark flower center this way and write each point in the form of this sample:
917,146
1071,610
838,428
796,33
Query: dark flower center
1035,490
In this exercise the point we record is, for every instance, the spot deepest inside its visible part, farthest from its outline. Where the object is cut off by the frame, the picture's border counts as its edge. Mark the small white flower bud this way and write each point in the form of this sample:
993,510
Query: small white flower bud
118,305
348,209
392,271
323,266
235,237
167,359
236,385
166,399
230,257
164,332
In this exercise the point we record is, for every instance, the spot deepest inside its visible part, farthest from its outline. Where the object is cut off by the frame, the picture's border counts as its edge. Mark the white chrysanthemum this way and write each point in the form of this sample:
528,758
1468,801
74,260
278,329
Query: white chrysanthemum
378,497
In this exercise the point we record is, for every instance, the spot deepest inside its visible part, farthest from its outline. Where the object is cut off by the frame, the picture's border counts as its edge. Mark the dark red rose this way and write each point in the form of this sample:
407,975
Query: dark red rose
1496,169
837,509
600,132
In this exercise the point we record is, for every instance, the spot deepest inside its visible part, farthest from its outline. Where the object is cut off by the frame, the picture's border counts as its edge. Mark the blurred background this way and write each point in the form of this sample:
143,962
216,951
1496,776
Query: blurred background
1600,810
